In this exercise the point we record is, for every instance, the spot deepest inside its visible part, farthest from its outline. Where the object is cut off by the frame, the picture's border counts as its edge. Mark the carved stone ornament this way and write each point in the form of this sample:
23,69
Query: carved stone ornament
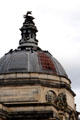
50,96
61,101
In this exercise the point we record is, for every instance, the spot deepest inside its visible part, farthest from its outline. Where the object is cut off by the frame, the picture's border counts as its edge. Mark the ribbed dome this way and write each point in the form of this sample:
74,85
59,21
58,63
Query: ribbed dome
29,57
31,61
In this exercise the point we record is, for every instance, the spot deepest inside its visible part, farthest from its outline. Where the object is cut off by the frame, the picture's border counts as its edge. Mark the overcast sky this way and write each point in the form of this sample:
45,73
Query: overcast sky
58,22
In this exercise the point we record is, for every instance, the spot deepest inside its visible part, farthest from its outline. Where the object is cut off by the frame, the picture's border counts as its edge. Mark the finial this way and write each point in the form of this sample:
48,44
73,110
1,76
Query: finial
28,12
28,32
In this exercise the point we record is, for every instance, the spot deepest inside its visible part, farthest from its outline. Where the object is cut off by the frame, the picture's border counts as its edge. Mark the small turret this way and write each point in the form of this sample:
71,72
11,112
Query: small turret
28,32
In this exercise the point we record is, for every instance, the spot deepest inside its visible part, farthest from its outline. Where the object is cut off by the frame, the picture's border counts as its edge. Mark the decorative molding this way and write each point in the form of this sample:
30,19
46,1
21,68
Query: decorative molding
42,82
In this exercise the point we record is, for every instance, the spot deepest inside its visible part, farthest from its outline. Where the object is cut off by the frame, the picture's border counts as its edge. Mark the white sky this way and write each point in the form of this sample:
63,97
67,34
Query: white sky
58,22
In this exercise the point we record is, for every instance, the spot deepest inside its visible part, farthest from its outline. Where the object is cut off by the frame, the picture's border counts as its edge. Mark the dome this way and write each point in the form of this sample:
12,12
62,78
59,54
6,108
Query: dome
33,84
28,57
30,61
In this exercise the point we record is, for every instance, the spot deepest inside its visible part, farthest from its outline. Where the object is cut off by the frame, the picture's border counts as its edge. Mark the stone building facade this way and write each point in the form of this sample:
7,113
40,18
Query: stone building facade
33,84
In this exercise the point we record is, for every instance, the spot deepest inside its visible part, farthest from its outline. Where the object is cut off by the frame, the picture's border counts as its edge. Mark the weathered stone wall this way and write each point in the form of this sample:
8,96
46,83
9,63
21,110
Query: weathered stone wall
20,94
31,90
35,75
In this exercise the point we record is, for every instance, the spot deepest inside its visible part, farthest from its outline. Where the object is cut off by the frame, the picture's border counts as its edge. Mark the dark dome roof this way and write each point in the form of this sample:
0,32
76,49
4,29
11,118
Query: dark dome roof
30,61
29,57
